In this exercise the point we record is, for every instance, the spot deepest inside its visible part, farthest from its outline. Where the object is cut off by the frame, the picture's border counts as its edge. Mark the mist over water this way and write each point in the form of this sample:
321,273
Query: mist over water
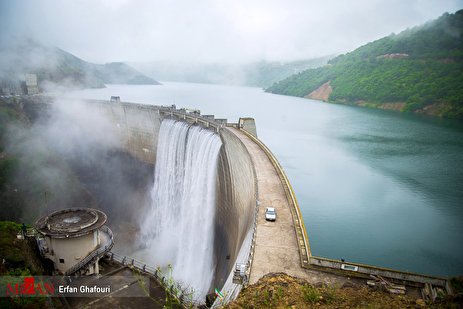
178,228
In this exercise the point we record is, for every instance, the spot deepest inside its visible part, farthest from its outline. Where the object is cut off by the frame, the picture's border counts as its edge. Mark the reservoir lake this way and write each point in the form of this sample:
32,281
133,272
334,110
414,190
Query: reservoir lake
374,187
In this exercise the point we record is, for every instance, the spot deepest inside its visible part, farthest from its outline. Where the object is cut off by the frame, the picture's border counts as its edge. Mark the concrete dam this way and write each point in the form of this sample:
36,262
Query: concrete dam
212,182
202,216
203,199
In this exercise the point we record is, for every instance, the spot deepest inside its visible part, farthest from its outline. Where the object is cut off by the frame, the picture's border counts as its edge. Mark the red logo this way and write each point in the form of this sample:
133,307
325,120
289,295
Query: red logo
29,287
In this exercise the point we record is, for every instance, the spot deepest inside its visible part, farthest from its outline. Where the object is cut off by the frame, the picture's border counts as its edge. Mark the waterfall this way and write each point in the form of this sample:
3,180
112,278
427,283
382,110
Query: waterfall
179,226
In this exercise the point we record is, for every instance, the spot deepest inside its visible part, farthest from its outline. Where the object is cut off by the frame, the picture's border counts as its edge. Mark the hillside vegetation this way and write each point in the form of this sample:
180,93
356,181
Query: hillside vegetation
419,69
257,74
264,74
283,291
56,66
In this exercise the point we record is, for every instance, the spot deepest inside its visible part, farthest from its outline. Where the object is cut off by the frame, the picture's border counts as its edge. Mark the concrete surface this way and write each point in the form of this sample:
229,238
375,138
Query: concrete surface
128,290
236,203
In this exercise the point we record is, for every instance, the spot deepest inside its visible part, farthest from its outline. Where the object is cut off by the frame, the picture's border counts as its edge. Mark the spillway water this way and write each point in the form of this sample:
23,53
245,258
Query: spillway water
179,226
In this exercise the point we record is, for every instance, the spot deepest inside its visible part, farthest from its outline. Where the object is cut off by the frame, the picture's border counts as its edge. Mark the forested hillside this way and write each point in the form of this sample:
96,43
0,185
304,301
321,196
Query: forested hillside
56,66
256,74
419,69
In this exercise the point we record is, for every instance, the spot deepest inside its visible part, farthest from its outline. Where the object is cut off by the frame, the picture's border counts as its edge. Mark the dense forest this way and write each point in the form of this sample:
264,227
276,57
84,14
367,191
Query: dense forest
420,68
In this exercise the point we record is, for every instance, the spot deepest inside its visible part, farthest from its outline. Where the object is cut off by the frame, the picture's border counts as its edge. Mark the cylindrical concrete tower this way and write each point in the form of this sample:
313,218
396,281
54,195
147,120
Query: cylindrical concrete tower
75,239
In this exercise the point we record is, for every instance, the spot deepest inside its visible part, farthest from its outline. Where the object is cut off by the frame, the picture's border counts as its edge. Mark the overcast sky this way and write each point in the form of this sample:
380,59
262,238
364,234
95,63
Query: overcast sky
213,30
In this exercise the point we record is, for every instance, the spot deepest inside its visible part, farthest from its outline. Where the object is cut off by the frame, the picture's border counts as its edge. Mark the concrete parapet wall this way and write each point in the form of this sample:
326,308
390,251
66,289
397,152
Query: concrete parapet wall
300,230
248,125
372,270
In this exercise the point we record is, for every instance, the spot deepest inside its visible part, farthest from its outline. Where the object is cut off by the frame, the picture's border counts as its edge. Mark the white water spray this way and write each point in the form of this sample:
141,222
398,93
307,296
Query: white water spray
179,226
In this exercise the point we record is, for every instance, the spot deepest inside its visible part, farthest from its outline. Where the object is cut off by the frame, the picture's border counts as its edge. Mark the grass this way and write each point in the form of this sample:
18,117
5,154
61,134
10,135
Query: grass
330,294
283,291
310,294
457,285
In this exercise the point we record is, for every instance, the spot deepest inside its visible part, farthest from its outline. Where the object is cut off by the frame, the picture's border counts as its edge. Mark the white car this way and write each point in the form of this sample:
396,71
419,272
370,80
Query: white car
270,214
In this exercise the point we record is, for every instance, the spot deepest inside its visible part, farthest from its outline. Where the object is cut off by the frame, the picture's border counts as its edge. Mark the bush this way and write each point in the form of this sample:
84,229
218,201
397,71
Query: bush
310,294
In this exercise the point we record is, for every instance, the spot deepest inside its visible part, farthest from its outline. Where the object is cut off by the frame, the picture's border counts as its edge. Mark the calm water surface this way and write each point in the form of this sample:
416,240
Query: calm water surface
374,187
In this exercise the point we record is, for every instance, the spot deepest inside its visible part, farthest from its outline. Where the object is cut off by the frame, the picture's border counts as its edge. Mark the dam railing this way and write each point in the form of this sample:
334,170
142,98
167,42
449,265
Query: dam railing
301,233
207,121
184,295
367,270
254,224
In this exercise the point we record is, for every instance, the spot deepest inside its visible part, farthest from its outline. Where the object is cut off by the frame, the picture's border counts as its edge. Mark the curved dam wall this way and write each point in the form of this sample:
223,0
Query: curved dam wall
136,125
236,203
236,181
137,128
